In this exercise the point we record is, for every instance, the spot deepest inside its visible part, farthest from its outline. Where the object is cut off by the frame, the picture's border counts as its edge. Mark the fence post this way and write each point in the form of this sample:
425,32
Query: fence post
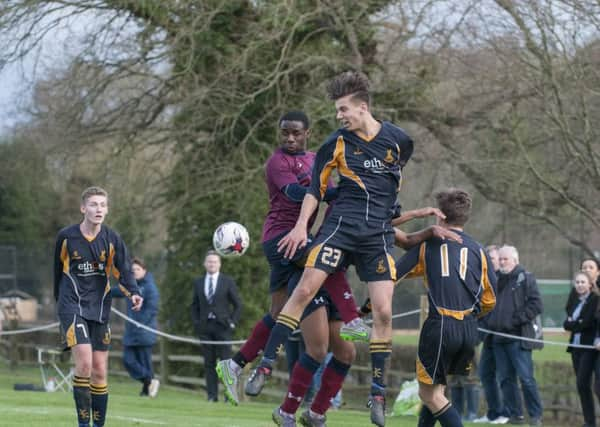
424,307
13,349
164,360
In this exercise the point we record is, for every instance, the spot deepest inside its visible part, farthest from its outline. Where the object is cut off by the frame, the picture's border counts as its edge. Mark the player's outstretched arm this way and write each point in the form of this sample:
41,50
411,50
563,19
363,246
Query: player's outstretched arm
408,240
418,213
298,236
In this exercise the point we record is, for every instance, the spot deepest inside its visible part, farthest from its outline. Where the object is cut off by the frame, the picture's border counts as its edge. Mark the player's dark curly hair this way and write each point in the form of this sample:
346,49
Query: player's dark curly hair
455,204
296,116
349,83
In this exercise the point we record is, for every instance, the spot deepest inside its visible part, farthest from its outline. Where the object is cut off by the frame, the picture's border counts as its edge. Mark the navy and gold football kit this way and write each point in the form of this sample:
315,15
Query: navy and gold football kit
370,174
82,269
460,286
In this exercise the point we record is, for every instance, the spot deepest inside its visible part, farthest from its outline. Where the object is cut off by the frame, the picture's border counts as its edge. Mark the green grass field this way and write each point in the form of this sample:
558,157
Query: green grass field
172,407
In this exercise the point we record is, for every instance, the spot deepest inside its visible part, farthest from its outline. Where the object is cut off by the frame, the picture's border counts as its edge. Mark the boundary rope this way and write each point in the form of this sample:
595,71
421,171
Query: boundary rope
192,340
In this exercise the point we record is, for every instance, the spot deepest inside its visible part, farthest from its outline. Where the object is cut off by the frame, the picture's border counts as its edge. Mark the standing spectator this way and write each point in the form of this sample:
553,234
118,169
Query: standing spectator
215,312
581,322
591,267
496,413
138,342
518,303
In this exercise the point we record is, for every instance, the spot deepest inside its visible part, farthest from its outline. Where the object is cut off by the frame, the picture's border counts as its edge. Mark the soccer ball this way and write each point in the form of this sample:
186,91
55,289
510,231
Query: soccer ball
231,239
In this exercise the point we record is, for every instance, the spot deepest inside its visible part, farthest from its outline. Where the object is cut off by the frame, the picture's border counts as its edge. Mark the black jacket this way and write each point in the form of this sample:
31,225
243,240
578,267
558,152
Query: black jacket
518,302
226,304
585,323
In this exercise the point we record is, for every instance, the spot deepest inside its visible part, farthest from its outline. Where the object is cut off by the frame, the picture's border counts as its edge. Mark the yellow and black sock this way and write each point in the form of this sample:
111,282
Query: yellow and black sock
284,326
99,394
380,350
83,399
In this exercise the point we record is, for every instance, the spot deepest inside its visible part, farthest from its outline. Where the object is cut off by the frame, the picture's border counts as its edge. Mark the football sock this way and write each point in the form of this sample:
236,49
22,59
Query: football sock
83,399
426,418
340,293
300,381
283,328
380,350
448,416
333,377
256,342
99,394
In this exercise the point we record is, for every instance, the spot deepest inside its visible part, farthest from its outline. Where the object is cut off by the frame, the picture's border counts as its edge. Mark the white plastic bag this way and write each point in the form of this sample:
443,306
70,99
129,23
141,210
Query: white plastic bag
407,402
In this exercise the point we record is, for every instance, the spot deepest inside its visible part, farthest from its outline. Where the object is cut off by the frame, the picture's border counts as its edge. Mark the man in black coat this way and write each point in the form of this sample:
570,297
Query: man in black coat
518,303
216,310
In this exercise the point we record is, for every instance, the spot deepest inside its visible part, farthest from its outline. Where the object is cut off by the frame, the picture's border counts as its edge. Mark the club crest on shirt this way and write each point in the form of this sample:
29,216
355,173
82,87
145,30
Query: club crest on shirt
358,151
75,255
389,158
103,255
381,268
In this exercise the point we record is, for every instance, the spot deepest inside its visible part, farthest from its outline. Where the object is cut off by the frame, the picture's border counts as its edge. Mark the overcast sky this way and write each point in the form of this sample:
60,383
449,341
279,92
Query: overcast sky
17,79
13,90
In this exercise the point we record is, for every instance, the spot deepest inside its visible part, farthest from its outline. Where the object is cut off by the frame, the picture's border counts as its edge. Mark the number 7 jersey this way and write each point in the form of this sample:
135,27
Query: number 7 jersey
458,276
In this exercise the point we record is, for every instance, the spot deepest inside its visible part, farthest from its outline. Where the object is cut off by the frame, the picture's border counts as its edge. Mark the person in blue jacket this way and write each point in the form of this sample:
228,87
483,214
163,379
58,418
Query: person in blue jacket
138,342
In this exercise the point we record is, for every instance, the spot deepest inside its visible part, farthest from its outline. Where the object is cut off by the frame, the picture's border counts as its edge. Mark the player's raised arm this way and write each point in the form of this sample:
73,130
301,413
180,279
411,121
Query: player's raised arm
417,213
408,240
298,236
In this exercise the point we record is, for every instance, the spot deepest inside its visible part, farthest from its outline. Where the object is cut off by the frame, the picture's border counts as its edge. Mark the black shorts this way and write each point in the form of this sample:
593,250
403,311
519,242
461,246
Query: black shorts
281,269
77,330
368,246
321,299
446,347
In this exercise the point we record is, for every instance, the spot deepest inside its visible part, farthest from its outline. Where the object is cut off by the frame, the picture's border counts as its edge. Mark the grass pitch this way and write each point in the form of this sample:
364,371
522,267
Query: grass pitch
172,407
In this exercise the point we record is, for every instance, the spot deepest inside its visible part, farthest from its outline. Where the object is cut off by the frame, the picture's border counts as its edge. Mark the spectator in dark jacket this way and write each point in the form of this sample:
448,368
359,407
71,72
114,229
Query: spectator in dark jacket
216,310
487,365
581,322
137,341
518,302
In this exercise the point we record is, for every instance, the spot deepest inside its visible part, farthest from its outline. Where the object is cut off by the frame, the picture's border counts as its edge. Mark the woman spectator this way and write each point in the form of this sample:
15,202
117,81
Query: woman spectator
592,268
581,322
138,342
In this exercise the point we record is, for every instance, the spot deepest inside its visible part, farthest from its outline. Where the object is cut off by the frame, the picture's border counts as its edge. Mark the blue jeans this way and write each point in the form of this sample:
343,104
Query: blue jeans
469,393
137,359
512,361
489,383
